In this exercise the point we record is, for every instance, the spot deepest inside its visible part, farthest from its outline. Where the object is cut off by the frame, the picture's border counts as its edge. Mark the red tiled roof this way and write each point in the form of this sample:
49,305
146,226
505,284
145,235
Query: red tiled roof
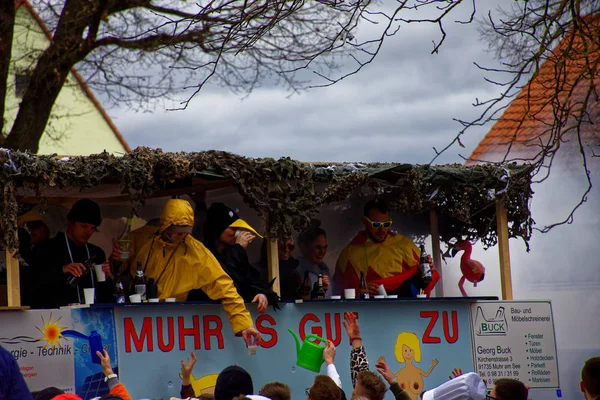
528,120
79,78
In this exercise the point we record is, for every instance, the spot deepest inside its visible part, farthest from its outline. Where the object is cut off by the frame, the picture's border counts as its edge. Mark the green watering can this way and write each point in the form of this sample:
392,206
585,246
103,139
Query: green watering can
310,356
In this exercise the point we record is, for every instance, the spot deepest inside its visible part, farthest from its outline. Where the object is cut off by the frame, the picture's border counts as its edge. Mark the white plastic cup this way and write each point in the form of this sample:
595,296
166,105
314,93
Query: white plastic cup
100,275
153,300
422,296
252,350
89,293
392,296
170,300
381,291
336,297
349,293
135,298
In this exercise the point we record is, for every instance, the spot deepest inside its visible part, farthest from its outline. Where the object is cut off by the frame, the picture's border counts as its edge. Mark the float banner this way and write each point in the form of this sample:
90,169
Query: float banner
35,338
422,341
515,340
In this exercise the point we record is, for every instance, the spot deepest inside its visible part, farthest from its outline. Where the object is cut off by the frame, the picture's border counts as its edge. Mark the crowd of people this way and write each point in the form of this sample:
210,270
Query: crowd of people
236,383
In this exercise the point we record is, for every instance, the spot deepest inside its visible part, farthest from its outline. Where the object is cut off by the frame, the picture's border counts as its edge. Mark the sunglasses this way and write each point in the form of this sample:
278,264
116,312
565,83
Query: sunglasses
287,246
377,224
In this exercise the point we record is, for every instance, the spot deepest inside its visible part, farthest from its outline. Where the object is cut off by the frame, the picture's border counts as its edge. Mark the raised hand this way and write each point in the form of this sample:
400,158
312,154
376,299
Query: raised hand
105,362
329,352
456,372
351,325
385,371
186,369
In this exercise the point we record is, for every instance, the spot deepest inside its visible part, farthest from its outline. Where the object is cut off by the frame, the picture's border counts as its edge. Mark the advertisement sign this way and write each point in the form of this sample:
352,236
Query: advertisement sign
515,340
36,340
153,339
89,380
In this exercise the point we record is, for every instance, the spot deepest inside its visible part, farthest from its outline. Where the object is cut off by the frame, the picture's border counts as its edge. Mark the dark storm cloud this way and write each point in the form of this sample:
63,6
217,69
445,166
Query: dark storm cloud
396,109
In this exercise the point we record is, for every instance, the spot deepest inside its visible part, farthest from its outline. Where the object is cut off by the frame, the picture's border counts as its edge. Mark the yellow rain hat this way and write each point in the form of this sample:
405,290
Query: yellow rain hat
240,223
220,217
29,216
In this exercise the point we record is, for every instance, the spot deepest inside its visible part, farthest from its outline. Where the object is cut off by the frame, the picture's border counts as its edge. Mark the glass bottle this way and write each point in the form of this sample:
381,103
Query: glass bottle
119,291
424,266
363,290
73,280
124,242
320,295
139,282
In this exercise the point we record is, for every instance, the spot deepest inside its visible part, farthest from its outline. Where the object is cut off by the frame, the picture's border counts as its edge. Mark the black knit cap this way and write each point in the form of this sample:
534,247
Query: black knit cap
85,211
218,218
232,382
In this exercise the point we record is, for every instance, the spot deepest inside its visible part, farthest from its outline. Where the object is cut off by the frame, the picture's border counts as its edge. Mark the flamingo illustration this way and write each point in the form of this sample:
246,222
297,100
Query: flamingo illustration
472,270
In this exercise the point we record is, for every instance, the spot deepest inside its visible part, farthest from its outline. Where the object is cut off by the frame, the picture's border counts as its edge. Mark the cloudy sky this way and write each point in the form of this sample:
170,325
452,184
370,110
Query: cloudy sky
396,109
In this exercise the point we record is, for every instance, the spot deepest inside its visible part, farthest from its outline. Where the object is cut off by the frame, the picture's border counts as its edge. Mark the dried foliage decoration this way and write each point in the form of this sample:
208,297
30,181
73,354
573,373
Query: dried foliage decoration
287,193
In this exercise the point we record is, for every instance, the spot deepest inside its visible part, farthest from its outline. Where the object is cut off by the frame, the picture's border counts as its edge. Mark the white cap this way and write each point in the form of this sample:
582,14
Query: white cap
257,397
468,386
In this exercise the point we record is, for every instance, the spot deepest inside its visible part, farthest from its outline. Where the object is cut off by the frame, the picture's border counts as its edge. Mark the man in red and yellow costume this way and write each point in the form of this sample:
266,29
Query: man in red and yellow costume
386,258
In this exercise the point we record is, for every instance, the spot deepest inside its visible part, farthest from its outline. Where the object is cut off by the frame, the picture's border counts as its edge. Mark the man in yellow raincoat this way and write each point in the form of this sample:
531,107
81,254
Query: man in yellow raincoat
385,257
179,263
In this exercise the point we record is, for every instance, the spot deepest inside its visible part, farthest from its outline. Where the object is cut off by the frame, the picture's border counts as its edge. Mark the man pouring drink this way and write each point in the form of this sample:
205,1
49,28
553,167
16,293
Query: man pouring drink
61,266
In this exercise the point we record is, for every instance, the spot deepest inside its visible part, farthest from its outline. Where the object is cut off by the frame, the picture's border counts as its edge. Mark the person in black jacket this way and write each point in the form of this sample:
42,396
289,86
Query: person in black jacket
63,256
227,236
290,281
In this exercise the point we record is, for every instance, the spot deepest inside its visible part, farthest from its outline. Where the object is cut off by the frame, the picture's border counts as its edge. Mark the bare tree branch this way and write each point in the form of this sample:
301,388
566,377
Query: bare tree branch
550,51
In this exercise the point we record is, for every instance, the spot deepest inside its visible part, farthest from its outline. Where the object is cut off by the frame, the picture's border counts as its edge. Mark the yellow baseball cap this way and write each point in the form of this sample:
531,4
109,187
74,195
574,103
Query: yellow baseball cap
240,223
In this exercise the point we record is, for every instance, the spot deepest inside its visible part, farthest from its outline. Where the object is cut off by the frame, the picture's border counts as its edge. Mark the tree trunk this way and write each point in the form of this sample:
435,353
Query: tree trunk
50,74
7,23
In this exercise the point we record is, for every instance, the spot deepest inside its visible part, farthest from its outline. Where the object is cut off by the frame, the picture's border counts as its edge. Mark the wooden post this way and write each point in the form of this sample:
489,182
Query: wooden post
434,227
12,278
502,229
273,263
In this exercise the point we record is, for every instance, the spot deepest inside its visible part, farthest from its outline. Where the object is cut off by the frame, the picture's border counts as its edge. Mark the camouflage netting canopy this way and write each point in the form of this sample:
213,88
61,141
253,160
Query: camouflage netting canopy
285,192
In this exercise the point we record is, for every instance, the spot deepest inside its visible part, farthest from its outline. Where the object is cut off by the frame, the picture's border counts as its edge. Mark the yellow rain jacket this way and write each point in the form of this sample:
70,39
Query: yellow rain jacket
179,268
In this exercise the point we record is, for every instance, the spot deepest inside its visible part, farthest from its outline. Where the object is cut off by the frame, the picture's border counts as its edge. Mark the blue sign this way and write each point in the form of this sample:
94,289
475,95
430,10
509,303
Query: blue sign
89,380
153,339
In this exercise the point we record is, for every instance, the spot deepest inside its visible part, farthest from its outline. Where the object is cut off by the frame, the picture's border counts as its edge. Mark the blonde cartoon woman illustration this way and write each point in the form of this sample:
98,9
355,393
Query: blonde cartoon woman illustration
409,377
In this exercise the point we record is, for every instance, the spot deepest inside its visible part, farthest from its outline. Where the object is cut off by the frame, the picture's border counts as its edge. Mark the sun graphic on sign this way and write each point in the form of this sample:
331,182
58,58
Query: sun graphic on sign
51,332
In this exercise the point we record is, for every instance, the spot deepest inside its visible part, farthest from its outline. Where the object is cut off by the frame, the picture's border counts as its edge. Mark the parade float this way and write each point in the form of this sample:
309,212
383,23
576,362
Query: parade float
486,203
